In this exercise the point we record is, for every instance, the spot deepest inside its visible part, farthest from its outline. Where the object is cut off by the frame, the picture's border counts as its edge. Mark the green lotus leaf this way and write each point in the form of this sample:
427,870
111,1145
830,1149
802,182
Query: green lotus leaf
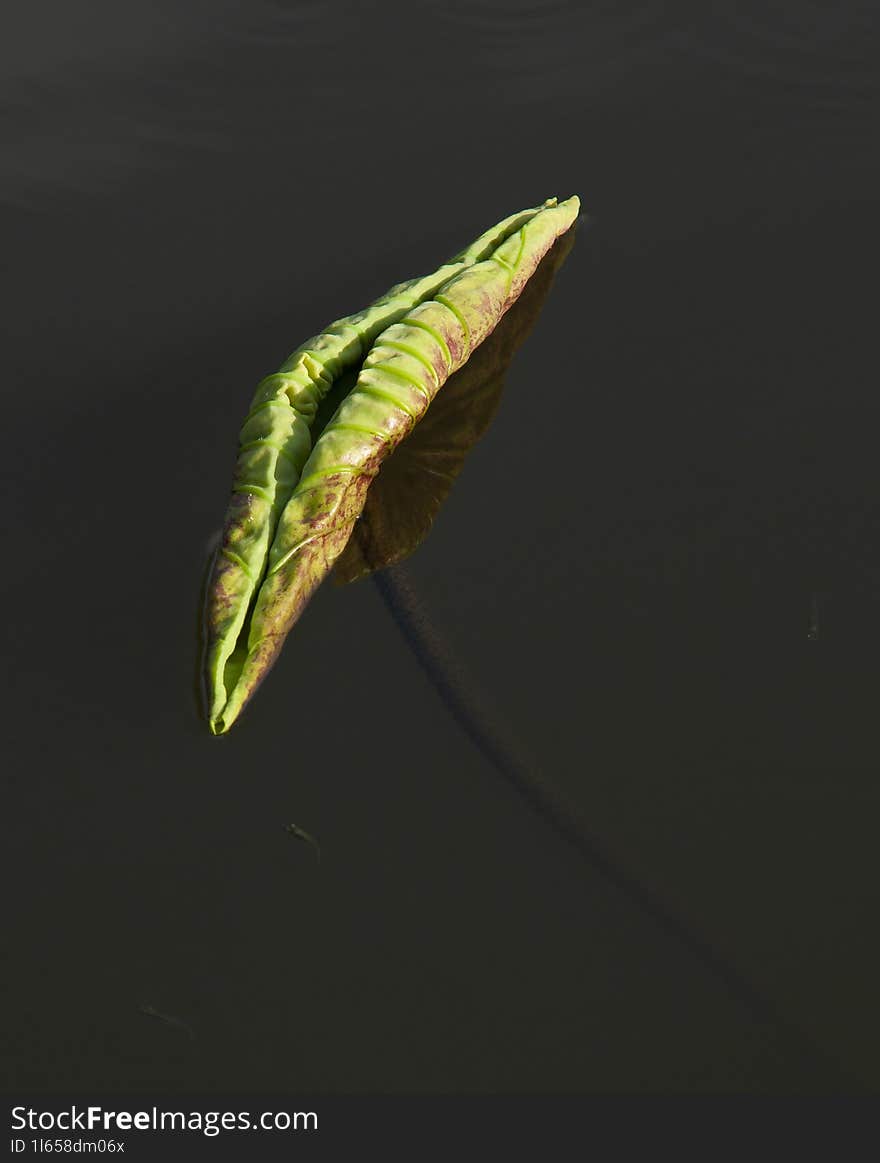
275,441
303,506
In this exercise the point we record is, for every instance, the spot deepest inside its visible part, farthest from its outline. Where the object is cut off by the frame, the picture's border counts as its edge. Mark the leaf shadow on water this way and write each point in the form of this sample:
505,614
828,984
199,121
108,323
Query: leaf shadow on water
401,507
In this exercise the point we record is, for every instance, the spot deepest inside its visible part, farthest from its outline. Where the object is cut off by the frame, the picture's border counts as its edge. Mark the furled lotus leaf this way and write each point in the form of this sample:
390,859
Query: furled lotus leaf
252,600
275,441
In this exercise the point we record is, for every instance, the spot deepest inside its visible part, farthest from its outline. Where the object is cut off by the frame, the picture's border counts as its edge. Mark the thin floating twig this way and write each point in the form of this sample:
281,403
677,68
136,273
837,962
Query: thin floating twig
168,1020
302,834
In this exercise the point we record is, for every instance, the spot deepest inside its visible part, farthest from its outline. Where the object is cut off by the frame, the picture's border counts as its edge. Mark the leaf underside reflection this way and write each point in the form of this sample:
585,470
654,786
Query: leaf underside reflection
416,479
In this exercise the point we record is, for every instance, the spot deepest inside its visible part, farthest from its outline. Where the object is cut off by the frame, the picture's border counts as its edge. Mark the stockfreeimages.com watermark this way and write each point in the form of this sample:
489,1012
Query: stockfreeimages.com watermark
96,1118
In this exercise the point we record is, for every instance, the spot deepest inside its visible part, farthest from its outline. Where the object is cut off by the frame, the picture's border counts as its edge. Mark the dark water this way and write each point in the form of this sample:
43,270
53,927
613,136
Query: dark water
657,572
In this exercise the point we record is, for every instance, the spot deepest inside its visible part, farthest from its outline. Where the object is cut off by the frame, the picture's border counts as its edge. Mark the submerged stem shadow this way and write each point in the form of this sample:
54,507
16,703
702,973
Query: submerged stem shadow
401,506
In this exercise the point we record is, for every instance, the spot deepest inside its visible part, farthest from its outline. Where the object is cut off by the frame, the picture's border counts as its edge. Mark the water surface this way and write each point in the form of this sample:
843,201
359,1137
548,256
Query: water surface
658,567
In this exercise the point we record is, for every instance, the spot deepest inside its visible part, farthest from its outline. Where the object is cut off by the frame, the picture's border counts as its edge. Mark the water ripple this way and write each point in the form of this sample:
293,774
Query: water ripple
550,50
796,45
